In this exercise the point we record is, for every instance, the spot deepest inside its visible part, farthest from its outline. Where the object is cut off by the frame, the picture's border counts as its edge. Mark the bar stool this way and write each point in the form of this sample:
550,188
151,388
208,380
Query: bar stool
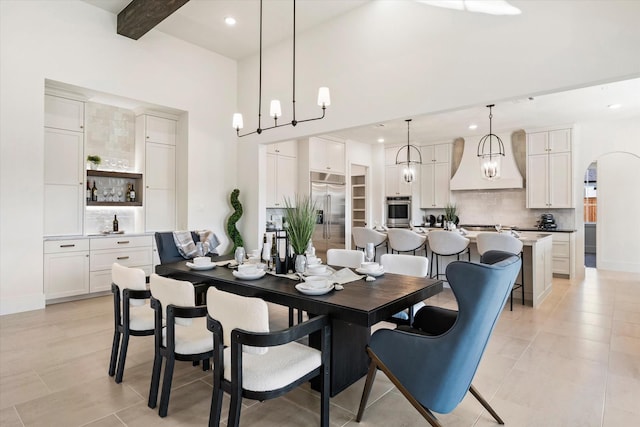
363,235
402,240
446,243
507,243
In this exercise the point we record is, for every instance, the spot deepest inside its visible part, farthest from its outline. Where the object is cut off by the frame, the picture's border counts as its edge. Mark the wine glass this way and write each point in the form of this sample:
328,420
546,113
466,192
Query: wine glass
239,255
112,195
498,227
369,252
120,199
105,194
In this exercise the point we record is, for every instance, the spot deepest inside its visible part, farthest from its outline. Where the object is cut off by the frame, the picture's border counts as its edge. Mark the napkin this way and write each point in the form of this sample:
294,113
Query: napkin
230,263
344,276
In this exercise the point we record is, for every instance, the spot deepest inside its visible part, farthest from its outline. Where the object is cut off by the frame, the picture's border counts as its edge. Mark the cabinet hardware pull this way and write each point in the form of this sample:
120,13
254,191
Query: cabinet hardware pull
68,246
123,242
81,127
123,257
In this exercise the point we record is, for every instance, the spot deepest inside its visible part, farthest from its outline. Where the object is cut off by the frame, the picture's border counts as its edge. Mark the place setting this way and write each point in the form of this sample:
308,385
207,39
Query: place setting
315,285
201,263
247,270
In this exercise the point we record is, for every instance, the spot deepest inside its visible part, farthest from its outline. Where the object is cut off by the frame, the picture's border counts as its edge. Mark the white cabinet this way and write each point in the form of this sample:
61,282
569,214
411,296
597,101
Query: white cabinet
130,251
326,155
64,191
66,268
282,174
549,169
394,183
160,172
435,176
563,254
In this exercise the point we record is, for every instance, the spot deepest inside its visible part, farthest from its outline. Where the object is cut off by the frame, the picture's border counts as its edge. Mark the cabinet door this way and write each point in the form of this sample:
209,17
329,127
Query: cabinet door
160,210
441,178
428,153
537,143
160,168
391,181
441,153
287,179
538,181
63,182
427,195
63,113
285,148
272,173
560,141
560,181
335,156
317,155
66,274
390,156
161,130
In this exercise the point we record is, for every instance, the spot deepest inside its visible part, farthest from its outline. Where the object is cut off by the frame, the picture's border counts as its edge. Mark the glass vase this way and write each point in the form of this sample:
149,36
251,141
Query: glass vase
300,263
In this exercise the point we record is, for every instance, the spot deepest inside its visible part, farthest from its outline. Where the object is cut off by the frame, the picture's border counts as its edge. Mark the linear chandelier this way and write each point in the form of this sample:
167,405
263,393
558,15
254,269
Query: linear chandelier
275,111
490,160
409,173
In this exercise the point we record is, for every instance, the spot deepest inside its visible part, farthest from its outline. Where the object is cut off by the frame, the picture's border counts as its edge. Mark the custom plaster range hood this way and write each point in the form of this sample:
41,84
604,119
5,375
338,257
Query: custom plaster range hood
468,175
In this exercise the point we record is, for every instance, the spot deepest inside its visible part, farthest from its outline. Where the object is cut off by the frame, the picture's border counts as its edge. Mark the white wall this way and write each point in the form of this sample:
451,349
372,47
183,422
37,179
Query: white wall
76,43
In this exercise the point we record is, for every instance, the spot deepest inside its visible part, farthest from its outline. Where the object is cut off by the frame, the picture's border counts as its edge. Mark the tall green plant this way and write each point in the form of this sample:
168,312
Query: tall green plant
450,212
301,217
232,231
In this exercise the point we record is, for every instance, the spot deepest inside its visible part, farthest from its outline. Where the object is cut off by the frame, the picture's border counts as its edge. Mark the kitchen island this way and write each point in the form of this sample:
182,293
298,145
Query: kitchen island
536,262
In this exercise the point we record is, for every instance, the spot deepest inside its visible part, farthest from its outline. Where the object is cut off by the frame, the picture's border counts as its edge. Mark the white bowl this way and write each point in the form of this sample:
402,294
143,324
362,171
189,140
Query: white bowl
370,266
201,260
316,282
316,269
248,269
312,260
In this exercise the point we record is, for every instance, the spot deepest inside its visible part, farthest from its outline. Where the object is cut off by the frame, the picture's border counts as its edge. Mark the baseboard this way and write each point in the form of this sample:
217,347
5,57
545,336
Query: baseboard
19,304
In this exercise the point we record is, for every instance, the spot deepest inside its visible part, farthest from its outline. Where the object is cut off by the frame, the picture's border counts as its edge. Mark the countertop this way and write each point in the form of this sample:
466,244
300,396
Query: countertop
96,236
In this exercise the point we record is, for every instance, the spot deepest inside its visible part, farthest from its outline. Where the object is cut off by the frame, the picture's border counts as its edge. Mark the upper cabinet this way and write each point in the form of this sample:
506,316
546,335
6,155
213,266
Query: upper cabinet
435,176
285,148
282,173
326,155
394,183
63,113
63,166
549,169
160,130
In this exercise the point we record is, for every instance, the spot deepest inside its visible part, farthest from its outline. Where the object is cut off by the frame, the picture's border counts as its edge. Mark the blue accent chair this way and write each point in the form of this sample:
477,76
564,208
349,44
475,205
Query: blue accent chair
434,372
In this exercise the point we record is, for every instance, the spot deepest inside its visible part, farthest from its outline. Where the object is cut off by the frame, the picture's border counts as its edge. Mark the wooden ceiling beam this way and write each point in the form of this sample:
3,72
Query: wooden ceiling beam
140,16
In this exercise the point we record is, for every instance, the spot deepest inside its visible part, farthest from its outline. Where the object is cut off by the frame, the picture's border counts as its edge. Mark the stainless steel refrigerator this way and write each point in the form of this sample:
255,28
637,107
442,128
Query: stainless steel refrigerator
328,193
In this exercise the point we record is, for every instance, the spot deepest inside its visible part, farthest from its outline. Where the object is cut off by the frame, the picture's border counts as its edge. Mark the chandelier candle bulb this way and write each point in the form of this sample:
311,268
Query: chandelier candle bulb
237,121
275,111
324,97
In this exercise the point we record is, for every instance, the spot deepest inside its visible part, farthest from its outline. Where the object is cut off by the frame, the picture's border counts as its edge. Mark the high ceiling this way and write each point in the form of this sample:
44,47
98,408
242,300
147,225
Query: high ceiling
201,22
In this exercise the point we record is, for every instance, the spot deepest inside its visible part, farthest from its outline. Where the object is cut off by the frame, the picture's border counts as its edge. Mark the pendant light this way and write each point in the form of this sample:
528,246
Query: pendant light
408,172
275,111
490,152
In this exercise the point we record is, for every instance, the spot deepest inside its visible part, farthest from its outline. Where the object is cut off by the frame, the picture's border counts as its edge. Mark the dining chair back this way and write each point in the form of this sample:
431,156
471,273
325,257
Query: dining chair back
435,372
252,363
408,265
180,334
132,313
403,240
345,258
503,242
446,243
364,235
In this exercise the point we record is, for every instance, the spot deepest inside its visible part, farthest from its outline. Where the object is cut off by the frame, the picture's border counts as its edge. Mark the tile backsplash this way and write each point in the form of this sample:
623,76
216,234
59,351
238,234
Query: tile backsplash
506,207
110,134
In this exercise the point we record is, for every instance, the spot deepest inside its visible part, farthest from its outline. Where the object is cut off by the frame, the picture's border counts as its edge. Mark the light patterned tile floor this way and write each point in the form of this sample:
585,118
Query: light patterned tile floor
574,361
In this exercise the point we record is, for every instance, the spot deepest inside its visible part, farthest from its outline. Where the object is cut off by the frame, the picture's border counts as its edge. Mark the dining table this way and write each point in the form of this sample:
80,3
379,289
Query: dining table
352,311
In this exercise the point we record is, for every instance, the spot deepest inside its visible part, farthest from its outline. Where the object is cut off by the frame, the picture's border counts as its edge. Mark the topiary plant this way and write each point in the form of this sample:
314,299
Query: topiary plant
232,231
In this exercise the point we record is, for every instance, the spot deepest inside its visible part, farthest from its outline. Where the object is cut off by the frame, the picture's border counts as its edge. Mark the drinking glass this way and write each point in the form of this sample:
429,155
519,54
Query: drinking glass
239,255
369,252
498,227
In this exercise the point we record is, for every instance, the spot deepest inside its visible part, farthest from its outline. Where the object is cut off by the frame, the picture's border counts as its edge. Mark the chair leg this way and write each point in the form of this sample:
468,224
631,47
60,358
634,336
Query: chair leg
123,357
290,317
205,364
486,405
234,408
166,386
216,407
155,381
371,376
114,353
426,413
522,281
299,316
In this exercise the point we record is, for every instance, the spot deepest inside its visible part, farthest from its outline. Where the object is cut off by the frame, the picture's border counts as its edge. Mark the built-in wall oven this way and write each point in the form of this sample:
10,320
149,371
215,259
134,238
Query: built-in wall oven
398,211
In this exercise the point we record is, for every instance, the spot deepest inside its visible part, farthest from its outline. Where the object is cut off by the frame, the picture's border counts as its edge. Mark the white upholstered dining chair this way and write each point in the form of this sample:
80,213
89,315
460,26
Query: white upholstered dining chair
410,265
364,235
404,240
345,258
446,243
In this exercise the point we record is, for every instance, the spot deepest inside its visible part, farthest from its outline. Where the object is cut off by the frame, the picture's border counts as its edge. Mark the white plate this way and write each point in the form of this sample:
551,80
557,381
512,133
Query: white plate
254,276
313,291
201,267
375,273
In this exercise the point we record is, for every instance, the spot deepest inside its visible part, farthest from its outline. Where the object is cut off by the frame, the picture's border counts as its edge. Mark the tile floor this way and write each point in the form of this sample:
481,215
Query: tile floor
575,361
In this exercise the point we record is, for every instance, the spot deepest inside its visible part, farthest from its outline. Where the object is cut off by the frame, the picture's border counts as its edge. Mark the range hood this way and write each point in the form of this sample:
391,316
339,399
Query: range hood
468,176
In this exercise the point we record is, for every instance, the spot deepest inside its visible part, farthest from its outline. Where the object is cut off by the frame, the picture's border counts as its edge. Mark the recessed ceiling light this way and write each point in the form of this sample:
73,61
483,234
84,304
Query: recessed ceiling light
230,21
473,126
380,140
614,106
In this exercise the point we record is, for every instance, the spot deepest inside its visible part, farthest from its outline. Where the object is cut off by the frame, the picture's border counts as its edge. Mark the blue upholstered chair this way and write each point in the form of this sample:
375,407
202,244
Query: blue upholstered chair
435,372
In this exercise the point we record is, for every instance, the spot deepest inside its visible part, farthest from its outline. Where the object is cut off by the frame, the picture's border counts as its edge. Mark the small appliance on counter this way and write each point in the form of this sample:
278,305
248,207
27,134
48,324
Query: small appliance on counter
547,222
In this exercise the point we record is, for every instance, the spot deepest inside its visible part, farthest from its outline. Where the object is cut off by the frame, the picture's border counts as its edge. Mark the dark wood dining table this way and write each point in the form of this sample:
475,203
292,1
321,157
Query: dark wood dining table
352,311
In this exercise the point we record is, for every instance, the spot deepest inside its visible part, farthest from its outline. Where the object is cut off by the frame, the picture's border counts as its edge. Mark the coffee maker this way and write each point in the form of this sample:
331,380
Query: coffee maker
547,222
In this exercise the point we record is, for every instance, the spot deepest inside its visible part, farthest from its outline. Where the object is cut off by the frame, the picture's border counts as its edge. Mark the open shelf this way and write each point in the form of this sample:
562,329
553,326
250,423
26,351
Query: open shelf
115,180
114,174
114,203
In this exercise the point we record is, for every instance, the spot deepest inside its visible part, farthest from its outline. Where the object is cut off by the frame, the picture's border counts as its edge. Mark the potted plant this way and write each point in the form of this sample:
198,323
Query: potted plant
301,217
450,216
94,161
